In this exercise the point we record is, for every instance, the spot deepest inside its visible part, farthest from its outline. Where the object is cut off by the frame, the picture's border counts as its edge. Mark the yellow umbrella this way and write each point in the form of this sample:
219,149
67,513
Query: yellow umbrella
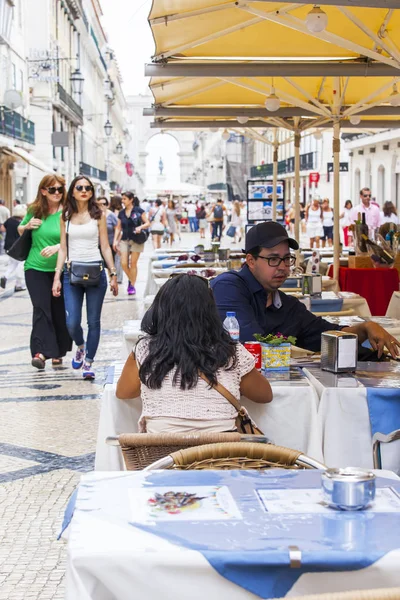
316,67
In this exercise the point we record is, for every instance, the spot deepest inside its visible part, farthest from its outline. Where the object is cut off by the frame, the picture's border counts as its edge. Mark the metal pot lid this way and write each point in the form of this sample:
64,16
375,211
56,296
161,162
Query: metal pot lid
349,474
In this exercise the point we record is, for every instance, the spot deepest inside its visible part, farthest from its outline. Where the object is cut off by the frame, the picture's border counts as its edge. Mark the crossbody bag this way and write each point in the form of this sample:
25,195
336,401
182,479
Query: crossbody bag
86,274
244,422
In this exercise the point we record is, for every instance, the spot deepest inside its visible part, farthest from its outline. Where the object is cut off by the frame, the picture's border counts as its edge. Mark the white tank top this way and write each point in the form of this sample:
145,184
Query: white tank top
327,218
83,241
314,216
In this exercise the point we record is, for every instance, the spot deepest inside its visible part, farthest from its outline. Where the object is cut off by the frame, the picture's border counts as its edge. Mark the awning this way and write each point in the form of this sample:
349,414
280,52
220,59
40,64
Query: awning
217,56
27,157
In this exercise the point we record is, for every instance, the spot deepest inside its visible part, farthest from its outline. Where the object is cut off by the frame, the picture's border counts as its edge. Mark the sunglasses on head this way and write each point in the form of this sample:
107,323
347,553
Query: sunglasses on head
53,189
86,188
205,279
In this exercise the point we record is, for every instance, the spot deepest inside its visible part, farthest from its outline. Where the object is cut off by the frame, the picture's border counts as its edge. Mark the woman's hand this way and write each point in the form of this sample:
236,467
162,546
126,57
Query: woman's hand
114,285
34,224
50,250
56,286
116,248
138,229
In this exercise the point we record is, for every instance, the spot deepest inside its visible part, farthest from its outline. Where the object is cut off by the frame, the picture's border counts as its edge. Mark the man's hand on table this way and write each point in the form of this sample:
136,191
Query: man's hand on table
377,336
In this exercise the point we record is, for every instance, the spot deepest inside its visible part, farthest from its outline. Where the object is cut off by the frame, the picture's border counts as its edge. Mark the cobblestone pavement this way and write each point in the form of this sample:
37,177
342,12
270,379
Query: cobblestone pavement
48,430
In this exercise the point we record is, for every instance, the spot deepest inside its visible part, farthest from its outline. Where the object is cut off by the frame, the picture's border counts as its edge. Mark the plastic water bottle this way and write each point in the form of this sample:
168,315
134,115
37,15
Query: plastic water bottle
231,325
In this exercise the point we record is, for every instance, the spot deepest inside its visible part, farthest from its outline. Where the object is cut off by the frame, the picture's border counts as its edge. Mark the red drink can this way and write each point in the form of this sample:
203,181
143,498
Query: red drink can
255,349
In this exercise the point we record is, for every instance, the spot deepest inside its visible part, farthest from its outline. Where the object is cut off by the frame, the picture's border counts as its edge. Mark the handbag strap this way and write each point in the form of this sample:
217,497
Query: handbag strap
224,392
67,237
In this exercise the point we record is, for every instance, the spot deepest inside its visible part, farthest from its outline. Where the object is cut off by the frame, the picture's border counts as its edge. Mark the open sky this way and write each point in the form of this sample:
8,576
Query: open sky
129,34
125,22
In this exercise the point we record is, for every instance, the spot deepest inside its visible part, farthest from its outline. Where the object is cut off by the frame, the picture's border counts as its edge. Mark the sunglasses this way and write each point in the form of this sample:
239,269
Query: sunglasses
55,190
86,188
205,279
366,195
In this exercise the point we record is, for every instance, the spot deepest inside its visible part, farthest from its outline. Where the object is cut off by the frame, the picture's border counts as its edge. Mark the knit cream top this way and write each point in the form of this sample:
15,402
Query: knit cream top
201,402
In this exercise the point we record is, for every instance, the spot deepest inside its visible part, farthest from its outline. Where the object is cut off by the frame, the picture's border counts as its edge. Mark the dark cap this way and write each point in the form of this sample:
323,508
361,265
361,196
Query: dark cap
268,235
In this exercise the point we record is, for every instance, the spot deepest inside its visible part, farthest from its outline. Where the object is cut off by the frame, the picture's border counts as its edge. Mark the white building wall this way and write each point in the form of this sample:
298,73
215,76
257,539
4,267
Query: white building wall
375,163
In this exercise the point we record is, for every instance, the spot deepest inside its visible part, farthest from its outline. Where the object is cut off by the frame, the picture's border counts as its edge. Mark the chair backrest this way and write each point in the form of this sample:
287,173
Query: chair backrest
238,455
381,438
142,449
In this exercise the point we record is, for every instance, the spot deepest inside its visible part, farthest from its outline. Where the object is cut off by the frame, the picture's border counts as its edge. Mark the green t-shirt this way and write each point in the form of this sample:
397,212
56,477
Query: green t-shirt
48,234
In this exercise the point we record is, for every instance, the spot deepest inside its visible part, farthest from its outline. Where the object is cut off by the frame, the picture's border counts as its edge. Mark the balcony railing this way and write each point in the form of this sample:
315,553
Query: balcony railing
13,125
307,163
70,102
92,172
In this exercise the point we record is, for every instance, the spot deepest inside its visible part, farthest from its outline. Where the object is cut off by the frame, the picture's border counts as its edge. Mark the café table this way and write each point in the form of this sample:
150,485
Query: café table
241,535
375,285
351,301
158,276
394,306
289,420
354,406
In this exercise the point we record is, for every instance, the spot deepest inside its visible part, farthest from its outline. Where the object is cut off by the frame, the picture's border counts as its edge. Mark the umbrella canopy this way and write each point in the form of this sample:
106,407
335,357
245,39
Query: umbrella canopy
277,64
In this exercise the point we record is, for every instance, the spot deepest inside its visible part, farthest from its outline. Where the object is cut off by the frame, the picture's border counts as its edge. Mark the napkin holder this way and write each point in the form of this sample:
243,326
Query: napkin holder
311,284
339,351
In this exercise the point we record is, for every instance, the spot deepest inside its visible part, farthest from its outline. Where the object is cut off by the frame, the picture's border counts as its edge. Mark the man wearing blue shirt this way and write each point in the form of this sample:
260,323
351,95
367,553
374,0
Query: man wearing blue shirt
253,293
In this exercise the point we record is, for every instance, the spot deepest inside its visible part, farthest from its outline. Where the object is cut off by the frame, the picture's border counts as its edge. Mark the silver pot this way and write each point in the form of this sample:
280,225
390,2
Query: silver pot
348,489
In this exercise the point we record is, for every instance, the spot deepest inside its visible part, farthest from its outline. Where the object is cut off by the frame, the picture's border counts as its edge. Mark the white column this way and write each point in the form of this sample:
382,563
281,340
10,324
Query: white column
275,177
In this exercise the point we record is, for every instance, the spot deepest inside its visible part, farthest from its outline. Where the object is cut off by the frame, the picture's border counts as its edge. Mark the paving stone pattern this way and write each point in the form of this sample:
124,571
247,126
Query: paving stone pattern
48,430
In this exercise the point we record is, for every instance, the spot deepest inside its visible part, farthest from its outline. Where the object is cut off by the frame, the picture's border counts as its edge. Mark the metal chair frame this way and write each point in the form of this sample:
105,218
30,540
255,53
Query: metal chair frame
377,440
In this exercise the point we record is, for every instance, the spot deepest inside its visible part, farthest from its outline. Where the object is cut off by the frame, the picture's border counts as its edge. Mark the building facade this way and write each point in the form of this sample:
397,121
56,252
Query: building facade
375,163
71,118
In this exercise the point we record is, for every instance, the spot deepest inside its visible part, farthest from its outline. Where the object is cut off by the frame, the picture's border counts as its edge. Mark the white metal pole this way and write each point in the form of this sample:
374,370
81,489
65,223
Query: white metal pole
275,176
297,139
336,198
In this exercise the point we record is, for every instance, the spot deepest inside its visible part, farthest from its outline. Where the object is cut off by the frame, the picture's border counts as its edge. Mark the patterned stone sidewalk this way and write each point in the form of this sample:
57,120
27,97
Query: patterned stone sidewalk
48,431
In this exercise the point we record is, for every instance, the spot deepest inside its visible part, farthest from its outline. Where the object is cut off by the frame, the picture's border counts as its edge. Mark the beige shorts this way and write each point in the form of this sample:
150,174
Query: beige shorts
127,246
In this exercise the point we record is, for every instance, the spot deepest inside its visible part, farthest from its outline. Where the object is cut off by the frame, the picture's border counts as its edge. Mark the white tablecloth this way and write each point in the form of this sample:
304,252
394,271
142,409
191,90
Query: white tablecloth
130,335
393,309
108,558
289,420
343,419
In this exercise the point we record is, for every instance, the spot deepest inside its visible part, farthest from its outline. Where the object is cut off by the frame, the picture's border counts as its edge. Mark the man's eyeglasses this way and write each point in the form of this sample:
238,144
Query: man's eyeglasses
55,190
275,261
366,195
80,188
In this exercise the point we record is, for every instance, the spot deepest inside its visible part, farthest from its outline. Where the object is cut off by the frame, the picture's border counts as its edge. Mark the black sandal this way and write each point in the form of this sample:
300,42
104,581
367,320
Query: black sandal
39,361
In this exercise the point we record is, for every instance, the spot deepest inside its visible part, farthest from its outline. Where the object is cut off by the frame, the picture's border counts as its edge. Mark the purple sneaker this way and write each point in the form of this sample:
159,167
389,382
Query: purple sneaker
77,362
88,372
131,290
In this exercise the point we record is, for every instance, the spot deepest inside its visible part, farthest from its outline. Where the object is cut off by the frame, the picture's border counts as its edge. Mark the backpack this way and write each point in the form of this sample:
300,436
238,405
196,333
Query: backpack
218,212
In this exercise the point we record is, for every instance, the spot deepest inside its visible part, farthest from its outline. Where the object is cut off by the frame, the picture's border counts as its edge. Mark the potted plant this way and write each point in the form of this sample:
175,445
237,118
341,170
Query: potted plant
275,351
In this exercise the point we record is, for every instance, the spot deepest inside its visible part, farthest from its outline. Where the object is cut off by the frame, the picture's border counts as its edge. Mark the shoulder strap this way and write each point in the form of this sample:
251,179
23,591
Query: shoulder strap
67,236
224,392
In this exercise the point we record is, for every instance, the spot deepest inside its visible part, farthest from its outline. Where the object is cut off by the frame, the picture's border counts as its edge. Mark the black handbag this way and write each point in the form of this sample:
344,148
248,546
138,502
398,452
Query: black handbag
22,246
140,238
86,274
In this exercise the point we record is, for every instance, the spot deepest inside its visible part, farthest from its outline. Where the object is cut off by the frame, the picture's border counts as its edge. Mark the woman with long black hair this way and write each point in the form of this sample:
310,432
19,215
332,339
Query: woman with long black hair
83,235
185,338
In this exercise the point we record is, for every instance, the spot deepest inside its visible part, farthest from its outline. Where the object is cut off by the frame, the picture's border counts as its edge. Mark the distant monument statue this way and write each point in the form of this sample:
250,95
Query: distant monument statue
161,165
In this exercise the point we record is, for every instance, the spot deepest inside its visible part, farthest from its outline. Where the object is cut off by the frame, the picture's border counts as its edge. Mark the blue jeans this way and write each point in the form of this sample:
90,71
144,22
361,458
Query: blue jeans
192,223
73,299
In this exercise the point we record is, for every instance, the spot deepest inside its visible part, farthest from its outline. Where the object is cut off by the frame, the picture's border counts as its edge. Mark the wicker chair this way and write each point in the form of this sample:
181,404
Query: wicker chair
378,594
239,455
141,449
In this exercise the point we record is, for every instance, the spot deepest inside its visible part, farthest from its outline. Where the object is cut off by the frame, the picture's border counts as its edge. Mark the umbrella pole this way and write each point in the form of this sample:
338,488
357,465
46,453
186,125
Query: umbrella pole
336,198
297,139
275,177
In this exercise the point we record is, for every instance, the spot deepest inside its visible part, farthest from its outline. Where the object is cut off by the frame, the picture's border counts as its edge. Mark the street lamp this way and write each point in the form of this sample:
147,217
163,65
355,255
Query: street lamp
108,128
77,80
119,148
126,158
